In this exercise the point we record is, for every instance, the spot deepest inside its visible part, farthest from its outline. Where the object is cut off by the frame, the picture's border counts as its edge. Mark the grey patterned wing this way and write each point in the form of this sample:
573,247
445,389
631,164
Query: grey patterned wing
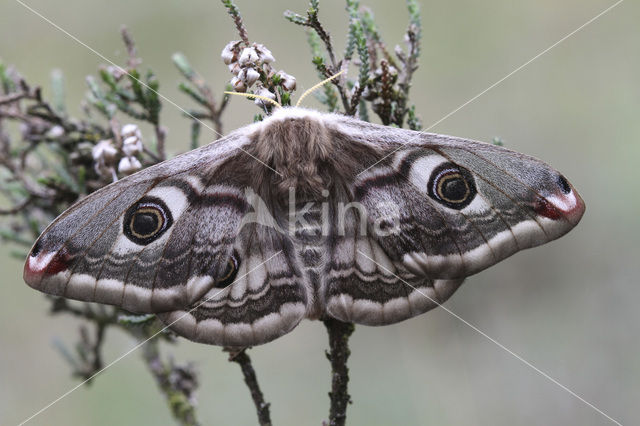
163,239
268,298
118,245
364,285
437,209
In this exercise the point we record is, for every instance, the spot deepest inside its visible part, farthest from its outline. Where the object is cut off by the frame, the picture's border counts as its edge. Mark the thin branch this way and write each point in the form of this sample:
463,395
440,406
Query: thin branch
17,208
101,327
89,350
177,383
12,98
161,135
312,21
203,95
155,157
134,61
61,305
250,378
338,354
232,9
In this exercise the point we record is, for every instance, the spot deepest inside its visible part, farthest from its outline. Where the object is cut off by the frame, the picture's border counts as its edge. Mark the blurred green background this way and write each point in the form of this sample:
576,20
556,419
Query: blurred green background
569,307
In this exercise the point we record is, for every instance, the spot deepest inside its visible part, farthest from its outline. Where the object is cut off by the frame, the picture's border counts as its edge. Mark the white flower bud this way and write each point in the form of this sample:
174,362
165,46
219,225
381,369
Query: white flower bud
131,130
248,56
24,130
238,85
264,54
391,71
55,132
104,152
268,71
104,155
129,165
111,109
132,139
116,72
228,54
131,146
367,94
266,93
105,171
249,76
288,81
398,51
234,68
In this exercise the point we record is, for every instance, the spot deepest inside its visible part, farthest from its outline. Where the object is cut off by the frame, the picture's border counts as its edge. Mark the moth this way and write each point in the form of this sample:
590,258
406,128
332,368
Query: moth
303,215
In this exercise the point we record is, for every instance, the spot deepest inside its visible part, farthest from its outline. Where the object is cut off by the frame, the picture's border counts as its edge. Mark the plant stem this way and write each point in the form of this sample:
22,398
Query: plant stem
168,379
250,378
161,134
338,354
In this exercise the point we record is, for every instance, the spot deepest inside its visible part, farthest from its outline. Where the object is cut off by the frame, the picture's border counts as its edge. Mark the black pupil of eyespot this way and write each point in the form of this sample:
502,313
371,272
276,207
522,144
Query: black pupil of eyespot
145,223
564,185
147,220
231,270
230,267
452,186
455,189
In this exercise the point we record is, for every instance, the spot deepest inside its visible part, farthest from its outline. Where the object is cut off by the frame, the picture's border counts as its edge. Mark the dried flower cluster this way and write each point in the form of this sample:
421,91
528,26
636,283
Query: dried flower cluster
106,154
244,63
251,64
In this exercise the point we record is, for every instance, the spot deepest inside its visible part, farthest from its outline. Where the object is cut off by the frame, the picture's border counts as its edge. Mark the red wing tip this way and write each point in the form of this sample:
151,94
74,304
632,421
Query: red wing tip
44,264
569,206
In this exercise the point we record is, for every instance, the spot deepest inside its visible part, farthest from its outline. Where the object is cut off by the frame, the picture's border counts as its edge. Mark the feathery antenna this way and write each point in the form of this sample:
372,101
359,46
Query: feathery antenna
323,82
